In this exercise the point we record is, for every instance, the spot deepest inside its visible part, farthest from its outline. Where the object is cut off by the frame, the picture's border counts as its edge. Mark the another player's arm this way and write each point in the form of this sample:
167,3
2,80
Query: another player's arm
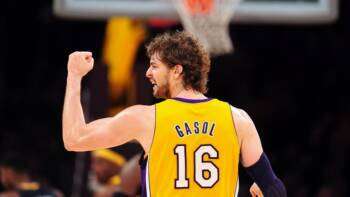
102,133
253,158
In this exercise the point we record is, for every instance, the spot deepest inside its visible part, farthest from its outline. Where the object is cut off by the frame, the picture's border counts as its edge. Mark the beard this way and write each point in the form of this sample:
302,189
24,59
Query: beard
162,91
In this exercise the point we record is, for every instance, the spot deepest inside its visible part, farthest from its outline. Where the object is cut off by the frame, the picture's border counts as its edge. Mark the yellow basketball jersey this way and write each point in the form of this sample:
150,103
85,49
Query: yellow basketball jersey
195,150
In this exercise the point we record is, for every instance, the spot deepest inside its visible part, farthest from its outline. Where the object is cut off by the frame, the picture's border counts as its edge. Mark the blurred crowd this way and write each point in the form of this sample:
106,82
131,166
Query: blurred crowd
111,172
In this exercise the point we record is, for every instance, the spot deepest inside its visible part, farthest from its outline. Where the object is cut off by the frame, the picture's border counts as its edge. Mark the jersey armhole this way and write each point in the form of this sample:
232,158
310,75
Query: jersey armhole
234,126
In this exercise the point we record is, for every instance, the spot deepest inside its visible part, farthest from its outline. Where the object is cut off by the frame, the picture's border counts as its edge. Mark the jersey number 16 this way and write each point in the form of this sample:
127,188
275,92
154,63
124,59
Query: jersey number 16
200,166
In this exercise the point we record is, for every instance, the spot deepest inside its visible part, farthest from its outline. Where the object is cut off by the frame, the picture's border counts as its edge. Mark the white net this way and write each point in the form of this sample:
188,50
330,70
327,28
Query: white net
209,22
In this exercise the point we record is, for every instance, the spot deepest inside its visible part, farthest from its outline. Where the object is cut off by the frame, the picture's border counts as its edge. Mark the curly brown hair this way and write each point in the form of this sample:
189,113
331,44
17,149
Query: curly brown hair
182,48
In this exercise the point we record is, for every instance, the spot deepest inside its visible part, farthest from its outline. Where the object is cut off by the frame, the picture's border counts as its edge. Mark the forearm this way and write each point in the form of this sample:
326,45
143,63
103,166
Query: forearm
265,178
253,158
73,121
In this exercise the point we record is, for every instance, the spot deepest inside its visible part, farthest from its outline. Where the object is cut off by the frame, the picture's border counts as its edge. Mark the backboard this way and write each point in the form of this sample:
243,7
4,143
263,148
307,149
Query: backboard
248,11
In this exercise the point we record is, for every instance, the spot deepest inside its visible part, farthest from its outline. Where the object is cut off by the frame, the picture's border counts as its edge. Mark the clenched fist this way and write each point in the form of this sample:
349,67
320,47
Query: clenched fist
80,63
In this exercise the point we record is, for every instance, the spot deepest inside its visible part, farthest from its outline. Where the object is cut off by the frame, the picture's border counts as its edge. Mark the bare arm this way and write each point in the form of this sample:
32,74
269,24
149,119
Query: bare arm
102,133
251,148
253,159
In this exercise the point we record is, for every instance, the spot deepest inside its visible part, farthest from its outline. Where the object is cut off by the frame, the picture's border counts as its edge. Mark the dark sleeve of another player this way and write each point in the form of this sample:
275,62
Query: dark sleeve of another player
265,178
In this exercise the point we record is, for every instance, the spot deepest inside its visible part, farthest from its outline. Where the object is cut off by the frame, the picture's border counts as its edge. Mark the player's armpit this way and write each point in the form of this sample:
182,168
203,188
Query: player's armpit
108,132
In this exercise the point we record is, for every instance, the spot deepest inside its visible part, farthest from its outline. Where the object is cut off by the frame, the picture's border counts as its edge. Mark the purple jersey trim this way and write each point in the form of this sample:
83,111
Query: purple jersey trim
143,165
186,100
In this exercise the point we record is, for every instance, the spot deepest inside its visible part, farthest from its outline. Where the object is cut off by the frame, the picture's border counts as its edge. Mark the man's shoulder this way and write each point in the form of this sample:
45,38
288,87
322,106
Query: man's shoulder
240,114
140,110
244,125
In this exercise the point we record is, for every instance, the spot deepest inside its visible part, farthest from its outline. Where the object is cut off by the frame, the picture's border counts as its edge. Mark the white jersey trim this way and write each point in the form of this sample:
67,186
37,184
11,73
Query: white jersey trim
237,187
147,182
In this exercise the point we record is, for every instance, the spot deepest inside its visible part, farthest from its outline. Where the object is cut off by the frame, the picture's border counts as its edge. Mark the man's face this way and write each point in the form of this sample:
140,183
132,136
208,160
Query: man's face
159,75
8,177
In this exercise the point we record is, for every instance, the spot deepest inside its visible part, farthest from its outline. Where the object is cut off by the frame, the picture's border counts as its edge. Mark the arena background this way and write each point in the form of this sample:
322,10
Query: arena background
292,80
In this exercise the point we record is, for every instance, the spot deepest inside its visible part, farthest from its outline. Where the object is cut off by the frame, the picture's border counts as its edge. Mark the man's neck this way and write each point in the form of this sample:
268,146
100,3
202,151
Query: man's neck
189,94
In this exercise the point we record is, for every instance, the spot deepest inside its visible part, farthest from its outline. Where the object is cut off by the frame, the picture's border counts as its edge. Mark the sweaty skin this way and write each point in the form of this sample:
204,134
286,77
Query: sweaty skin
137,122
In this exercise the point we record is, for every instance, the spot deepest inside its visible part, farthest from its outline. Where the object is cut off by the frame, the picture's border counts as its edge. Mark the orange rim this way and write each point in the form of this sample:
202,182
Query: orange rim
199,6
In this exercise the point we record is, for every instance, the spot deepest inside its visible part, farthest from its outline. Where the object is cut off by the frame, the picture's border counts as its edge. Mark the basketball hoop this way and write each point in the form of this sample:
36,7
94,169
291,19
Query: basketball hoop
208,20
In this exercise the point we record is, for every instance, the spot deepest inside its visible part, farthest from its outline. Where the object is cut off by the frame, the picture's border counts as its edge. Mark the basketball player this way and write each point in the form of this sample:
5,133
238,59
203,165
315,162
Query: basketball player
192,143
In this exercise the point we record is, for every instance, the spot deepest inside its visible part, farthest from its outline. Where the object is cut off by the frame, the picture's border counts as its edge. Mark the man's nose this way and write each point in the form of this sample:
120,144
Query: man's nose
148,73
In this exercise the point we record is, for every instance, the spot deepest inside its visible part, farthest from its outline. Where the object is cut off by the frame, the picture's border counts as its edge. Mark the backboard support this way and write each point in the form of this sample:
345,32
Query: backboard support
248,11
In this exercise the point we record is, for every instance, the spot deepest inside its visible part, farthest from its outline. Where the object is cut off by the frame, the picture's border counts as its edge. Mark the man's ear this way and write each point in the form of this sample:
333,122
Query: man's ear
178,70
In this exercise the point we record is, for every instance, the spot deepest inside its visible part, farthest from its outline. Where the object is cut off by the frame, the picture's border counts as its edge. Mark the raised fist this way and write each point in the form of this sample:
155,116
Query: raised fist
80,63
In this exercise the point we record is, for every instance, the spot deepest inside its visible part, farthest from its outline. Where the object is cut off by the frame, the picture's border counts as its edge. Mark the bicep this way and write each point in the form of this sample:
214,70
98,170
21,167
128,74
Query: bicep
108,132
251,148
